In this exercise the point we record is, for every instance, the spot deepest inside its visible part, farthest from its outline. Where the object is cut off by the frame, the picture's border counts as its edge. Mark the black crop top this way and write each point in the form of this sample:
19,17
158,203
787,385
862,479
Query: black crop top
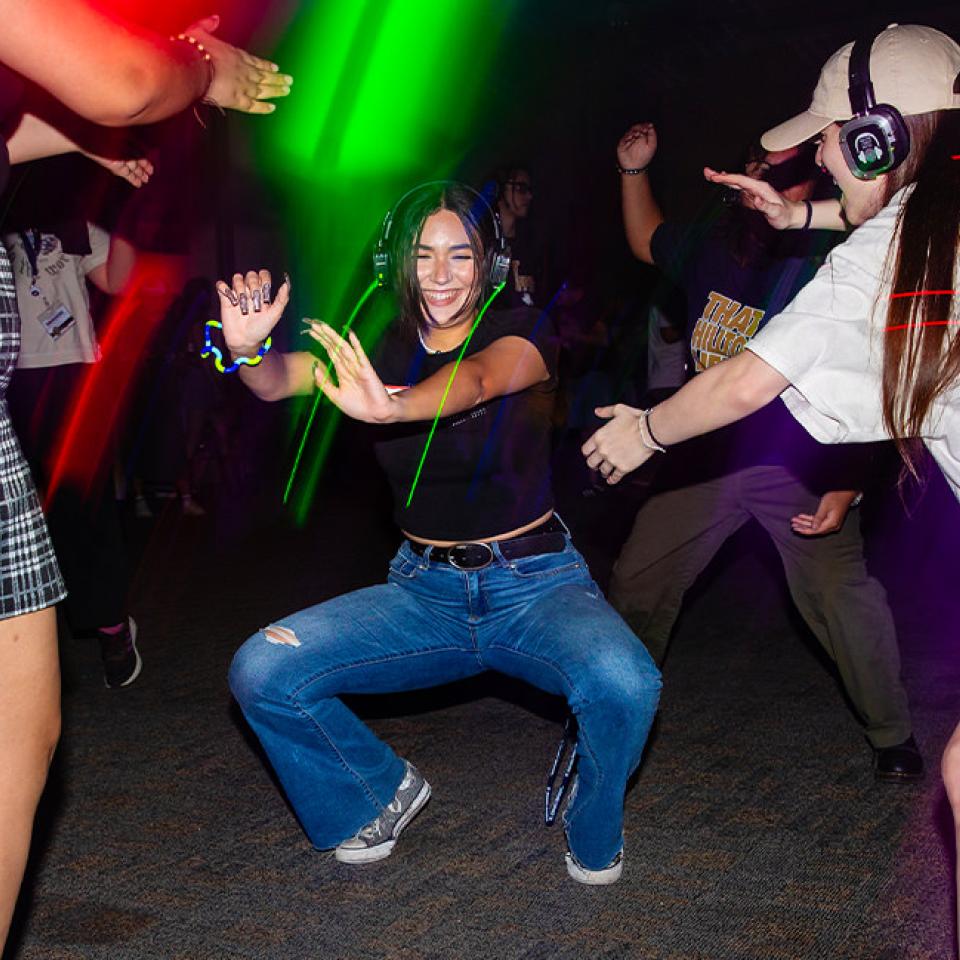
487,470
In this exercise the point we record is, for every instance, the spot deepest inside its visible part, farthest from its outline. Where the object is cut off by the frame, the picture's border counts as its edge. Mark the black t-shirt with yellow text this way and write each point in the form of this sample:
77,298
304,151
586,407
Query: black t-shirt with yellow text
728,301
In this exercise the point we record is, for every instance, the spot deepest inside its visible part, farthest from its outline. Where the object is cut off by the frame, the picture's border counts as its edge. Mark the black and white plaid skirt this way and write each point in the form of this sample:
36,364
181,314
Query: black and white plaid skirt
29,576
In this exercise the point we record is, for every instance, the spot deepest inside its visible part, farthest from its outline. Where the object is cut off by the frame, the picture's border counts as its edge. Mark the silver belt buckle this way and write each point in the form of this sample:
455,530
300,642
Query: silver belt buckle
486,555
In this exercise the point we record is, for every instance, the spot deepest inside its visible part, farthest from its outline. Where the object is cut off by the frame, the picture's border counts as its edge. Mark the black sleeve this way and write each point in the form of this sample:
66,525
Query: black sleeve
666,246
531,324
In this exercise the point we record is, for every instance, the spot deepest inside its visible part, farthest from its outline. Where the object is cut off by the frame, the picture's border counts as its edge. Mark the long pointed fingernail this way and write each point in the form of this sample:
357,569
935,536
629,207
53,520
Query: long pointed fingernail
244,304
257,301
225,291
266,292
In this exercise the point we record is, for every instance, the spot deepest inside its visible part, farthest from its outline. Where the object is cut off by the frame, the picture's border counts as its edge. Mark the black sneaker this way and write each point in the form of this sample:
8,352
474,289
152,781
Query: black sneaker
377,839
121,659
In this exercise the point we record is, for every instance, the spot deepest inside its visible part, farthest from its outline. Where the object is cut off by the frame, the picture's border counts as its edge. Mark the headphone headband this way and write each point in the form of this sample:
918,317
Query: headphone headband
862,97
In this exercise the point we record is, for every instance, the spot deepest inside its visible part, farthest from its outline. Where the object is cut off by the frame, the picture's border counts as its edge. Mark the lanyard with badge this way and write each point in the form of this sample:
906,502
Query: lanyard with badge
56,319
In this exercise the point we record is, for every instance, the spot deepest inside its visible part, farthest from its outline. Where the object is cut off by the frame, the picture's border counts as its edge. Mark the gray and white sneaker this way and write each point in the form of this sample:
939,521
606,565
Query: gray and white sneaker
377,839
596,878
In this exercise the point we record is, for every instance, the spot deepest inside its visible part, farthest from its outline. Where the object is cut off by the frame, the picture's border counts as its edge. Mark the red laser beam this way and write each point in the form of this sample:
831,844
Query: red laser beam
105,392
924,293
922,323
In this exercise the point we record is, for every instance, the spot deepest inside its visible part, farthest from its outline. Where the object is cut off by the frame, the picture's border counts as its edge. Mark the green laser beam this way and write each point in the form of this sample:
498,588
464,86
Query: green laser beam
316,400
443,399
361,127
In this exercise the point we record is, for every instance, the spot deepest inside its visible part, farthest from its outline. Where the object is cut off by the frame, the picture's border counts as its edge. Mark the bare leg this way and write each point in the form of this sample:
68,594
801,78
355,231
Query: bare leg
950,768
29,728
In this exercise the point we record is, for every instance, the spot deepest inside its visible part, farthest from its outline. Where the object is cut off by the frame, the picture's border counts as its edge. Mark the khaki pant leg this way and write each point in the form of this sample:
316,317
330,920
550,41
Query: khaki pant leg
841,602
675,535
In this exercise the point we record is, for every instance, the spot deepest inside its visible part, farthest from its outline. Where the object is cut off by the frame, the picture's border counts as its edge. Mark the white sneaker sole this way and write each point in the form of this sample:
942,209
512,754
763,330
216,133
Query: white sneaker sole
595,878
381,851
138,666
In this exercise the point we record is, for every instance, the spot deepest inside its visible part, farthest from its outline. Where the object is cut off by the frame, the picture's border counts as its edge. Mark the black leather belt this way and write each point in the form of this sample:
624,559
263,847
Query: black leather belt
549,537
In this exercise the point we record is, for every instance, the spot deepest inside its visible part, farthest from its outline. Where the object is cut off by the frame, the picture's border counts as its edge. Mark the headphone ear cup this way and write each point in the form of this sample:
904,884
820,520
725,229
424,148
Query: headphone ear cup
381,266
500,268
899,134
875,143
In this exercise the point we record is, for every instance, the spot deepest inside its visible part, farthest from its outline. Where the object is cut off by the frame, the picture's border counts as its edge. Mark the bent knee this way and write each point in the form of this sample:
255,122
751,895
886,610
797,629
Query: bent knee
626,679
254,666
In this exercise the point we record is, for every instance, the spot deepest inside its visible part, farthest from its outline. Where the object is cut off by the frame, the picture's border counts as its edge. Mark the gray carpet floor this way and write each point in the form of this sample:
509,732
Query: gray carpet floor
754,831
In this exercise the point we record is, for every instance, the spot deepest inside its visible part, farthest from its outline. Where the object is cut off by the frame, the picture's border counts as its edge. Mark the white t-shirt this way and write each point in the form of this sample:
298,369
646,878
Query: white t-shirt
829,344
666,362
55,322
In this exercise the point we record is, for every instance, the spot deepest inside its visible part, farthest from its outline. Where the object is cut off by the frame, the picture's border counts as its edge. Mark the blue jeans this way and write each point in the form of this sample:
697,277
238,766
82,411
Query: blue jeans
540,618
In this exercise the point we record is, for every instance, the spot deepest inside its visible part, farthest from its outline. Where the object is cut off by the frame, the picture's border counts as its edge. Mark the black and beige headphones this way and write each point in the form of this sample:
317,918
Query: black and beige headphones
876,140
498,259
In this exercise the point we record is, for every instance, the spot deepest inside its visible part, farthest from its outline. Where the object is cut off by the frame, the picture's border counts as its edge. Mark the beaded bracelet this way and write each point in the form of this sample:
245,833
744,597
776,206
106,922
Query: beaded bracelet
209,350
631,171
204,55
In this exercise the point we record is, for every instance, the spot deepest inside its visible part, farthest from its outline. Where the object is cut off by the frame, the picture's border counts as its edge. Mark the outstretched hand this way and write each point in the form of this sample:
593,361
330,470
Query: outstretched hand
249,309
358,391
758,195
136,172
637,147
616,449
241,81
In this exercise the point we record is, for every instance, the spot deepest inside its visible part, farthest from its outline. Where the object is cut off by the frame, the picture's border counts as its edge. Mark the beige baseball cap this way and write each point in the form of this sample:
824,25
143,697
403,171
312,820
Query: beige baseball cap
913,68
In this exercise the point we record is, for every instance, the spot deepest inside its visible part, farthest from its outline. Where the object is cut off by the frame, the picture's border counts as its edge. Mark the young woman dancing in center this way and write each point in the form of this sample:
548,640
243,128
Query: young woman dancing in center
486,577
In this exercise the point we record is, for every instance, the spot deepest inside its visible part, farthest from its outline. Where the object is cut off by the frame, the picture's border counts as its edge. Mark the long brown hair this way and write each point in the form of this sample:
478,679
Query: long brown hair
921,354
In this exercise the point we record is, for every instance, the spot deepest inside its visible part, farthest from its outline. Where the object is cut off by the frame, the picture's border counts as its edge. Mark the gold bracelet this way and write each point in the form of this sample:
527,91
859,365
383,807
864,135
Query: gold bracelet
204,55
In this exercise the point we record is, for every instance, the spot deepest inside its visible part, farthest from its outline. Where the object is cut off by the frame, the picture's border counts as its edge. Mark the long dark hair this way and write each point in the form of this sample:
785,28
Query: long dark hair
477,219
921,354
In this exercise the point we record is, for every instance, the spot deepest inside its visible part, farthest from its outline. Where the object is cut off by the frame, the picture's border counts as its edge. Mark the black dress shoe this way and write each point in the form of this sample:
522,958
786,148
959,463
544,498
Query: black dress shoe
901,763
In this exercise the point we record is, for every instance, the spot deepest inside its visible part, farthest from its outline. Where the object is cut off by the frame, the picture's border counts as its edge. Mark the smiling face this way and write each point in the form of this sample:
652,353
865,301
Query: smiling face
446,271
861,199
